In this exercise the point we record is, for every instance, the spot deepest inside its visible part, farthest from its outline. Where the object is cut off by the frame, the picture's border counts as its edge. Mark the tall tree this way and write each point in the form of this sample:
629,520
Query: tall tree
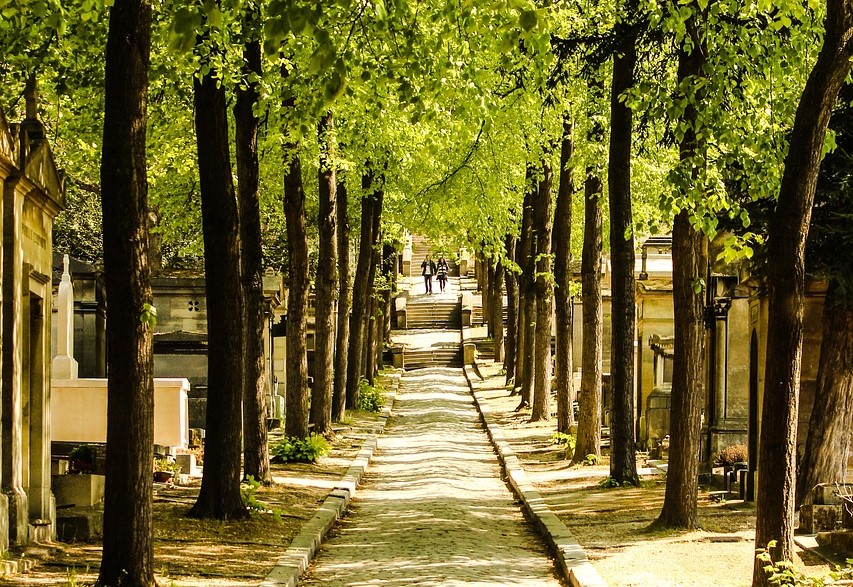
786,283
689,267
544,302
589,396
623,459
373,314
828,442
326,282
496,272
296,419
527,293
256,460
561,250
511,284
371,198
344,303
128,554
219,496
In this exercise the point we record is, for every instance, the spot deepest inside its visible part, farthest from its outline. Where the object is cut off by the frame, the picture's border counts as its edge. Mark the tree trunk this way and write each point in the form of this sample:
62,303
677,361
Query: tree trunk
128,555
828,441
296,401
497,307
344,304
786,283
371,198
561,249
511,311
373,328
256,460
527,293
623,459
690,262
589,398
389,268
325,285
542,354
486,269
219,496
689,266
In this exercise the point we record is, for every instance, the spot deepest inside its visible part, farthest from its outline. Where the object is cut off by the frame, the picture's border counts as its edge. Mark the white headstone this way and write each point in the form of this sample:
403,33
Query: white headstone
64,365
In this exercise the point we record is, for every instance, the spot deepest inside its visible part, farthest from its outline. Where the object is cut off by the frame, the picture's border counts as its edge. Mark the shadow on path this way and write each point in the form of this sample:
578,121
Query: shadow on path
433,510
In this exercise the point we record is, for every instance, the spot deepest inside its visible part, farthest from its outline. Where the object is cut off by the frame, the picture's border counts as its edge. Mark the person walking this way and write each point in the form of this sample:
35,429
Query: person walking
441,272
428,269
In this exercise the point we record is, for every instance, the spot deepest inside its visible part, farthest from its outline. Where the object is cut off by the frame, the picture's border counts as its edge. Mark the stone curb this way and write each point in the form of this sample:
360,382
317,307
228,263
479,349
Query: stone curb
295,560
571,557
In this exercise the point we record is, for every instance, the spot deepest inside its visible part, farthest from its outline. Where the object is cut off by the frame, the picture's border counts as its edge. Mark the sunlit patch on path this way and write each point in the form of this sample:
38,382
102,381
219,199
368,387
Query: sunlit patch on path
433,509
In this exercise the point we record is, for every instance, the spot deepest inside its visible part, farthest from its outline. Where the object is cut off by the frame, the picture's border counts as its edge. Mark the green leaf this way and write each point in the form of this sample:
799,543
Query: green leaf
148,316
527,20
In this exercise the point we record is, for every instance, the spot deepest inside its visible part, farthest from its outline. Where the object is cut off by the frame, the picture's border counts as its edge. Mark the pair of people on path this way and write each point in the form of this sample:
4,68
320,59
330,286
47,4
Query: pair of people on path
429,268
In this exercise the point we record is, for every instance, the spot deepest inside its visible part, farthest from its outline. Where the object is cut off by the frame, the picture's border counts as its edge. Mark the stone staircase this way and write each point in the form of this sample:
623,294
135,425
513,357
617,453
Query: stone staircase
477,318
434,312
438,356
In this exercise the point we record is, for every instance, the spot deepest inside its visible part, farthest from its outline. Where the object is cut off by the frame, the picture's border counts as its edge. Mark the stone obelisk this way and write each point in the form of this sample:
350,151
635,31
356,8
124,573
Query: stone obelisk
64,365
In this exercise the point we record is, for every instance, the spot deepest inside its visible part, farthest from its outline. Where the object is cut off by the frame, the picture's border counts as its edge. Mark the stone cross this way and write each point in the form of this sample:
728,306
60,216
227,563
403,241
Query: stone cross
64,365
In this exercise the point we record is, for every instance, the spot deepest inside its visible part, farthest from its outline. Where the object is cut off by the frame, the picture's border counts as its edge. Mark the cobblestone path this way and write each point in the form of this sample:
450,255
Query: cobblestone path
433,509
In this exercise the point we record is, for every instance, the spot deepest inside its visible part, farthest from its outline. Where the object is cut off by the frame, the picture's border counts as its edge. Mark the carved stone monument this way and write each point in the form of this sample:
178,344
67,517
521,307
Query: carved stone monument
64,365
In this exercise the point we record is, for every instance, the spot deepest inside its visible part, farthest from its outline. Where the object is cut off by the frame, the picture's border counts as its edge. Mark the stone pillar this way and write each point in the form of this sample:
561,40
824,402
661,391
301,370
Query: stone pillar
406,262
64,365
41,503
12,424
721,312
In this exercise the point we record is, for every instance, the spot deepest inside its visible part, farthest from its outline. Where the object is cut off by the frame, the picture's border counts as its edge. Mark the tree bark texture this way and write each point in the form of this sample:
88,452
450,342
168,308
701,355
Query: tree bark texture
828,441
561,249
511,284
128,555
219,496
373,327
360,315
690,262
544,300
689,266
256,460
296,398
497,308
344,304
487,270
623,460
787,236
325,285
527,293
589,397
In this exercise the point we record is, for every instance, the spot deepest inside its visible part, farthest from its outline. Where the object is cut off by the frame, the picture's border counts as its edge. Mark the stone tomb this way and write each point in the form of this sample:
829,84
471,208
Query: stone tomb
32,197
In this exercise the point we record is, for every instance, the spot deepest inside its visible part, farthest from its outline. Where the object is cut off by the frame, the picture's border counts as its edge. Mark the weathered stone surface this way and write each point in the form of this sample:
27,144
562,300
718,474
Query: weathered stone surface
78,490
819,518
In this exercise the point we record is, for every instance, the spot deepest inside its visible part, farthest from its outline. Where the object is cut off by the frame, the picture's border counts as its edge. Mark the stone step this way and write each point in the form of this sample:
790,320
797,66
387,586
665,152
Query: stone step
439,357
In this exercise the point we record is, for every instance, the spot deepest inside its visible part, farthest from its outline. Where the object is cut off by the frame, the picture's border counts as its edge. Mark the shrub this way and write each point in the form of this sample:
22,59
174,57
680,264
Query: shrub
567,441
782,573
291,449
248,488
164,464
736,453
83,459
591,459
370,397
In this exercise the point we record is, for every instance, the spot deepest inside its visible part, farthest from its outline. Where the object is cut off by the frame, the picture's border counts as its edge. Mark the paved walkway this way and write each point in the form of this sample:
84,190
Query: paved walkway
433,510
